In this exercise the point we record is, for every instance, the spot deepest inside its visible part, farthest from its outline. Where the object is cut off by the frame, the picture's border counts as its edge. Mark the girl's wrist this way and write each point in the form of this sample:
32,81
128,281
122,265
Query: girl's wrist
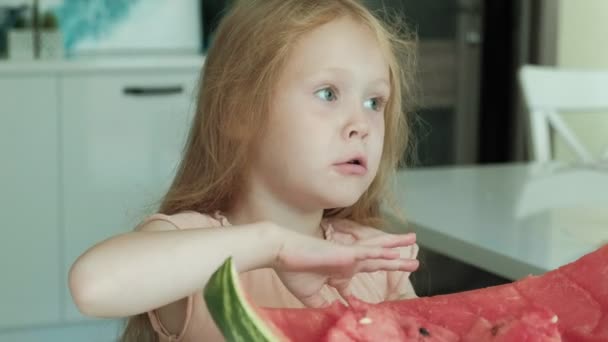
273,239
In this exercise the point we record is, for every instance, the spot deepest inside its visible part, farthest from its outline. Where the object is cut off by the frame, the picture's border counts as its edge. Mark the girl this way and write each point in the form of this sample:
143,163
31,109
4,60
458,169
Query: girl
298,127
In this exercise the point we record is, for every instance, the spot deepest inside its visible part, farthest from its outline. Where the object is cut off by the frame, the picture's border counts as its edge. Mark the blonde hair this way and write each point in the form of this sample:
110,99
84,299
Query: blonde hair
251,46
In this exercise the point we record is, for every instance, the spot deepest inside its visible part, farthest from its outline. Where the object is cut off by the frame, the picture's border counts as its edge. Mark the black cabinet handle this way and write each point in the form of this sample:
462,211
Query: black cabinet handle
152,91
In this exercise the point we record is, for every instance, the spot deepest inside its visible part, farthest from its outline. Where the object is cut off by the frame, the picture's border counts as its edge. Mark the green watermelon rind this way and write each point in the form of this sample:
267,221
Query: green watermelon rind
230,309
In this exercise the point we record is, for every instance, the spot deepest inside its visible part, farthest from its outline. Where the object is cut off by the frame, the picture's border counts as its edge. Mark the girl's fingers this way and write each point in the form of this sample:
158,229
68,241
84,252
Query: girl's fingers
315,301
371,252
406,265
371,235
390,240
359,232
342,285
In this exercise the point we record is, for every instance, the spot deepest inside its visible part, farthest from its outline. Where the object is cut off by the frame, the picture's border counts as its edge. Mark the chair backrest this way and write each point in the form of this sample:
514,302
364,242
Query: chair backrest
549,91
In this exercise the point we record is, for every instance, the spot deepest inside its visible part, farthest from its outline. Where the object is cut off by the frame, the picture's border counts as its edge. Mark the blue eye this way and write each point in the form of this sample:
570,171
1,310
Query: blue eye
326,94
375,104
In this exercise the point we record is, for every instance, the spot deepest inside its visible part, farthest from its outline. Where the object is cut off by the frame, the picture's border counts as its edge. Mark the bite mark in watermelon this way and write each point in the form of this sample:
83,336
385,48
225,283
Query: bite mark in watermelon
567,304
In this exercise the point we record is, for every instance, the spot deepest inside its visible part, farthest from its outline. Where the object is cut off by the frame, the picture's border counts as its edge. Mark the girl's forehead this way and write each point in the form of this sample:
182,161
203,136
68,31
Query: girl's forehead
342,31
341,46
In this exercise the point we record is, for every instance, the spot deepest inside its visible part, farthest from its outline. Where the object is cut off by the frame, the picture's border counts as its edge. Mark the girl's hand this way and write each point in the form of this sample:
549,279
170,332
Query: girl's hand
305,264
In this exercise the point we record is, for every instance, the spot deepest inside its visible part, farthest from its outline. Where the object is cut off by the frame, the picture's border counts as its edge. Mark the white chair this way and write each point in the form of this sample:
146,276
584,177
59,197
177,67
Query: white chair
549,91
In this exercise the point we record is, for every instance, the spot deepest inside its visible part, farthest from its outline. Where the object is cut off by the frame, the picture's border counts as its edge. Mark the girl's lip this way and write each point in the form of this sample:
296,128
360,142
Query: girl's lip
351,169
356,160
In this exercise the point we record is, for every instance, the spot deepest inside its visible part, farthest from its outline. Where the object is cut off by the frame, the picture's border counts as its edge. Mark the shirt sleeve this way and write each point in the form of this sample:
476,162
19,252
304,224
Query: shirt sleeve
178,221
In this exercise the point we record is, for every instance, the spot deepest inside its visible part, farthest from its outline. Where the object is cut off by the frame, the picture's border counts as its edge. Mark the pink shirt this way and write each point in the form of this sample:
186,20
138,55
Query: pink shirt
267,290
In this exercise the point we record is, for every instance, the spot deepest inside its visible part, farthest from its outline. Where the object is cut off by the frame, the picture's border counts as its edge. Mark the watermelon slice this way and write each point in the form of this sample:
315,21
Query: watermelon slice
566,304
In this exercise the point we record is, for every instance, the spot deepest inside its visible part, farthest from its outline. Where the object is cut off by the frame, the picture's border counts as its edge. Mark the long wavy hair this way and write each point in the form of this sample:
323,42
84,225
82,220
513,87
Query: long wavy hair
252,43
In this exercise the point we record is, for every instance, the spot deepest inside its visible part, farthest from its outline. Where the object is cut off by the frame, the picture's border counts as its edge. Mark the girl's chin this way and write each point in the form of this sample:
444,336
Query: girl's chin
341,201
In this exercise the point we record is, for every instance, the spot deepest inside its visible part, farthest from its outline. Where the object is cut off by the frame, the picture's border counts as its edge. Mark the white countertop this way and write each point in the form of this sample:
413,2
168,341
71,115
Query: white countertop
494,217
85,64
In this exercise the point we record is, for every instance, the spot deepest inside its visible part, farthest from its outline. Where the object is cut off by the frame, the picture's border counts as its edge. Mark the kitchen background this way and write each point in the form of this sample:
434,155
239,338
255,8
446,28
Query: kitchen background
93,120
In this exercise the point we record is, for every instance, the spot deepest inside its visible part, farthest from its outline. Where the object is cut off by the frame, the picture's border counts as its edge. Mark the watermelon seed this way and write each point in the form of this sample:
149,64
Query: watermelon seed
424,332
365,320
554,319
495,328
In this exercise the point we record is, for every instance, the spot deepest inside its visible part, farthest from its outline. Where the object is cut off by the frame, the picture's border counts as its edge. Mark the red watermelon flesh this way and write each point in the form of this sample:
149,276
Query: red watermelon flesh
311,324
533,326
583,312
442,309
567,304
369,322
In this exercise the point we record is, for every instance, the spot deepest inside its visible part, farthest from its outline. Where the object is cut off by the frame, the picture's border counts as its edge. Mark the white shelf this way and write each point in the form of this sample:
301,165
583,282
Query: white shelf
96,64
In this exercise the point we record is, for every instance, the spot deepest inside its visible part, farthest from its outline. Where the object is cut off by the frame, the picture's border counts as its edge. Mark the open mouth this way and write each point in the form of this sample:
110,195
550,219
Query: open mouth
355,166
359,161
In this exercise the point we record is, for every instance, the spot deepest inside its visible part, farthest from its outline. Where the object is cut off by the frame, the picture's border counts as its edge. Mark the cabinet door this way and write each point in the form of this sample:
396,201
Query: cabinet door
123,135
29,202
99,331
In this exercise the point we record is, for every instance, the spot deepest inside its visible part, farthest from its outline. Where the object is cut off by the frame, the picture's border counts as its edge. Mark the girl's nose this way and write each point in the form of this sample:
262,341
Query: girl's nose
358,132
358,126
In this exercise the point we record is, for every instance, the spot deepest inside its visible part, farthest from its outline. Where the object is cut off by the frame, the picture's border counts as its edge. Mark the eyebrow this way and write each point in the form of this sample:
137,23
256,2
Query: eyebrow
383,82
341,71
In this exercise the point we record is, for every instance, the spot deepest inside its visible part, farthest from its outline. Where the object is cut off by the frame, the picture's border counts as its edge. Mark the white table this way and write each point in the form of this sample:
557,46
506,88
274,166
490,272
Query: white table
493,217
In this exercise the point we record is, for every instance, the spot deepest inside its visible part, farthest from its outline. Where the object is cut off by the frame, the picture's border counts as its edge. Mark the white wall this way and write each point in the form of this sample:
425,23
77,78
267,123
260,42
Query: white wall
583,43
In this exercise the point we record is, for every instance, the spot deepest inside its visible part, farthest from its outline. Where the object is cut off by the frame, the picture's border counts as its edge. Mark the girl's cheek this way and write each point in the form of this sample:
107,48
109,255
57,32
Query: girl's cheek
378,123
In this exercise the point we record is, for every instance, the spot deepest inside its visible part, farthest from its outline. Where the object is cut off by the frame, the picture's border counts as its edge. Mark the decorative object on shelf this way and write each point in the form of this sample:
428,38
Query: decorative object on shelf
20,36
9,16
83,19
51,38
31,34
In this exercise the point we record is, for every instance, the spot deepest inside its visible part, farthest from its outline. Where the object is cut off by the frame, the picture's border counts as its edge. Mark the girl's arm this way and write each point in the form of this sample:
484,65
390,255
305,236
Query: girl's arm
159,267
139,271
